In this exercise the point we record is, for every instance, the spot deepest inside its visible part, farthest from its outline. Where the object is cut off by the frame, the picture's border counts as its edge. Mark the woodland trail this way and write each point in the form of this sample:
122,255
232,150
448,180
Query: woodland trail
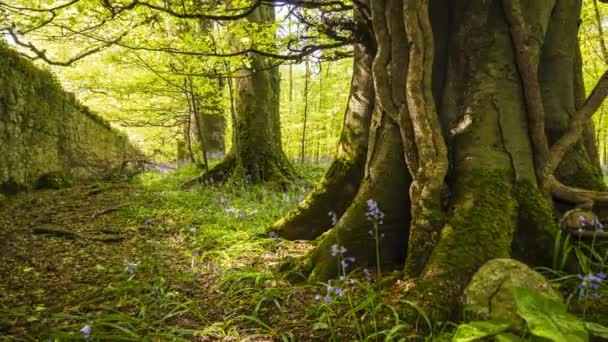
138,260
58,244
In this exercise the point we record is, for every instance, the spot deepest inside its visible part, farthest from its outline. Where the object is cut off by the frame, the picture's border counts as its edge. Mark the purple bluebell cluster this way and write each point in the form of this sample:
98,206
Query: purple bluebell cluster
346,262
596,223
238,213
373,212
131,266
590,283
331,292
86,331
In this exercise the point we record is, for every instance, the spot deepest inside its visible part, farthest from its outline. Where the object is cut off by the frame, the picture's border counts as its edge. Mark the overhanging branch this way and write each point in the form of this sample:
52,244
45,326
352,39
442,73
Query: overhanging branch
576,125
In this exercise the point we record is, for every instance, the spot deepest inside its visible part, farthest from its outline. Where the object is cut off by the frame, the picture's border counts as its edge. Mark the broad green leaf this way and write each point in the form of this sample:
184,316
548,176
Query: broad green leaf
508,337
597,329
475,330
548,318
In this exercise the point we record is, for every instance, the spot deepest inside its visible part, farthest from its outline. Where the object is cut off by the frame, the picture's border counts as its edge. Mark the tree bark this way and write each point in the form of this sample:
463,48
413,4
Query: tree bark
505,80
257,134
342,180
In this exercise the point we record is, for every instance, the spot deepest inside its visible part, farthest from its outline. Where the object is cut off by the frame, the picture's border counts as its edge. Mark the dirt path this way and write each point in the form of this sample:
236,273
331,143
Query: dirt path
53,242
143,260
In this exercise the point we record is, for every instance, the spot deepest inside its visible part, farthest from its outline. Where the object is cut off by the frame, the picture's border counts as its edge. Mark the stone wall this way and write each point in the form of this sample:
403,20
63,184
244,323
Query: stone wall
44,130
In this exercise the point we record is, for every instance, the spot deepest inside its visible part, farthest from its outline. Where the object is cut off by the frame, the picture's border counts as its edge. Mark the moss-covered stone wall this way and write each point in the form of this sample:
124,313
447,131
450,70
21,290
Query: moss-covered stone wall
44,130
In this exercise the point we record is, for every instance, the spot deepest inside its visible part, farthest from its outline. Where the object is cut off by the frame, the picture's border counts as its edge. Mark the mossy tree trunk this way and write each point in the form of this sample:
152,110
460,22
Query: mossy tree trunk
478,116
342,180
257,154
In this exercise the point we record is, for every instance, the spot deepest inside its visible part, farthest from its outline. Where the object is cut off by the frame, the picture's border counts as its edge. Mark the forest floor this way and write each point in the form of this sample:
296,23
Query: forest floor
147,260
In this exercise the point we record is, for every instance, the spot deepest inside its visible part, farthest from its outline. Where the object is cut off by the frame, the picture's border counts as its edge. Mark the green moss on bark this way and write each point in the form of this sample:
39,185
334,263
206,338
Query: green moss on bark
481,228
578,171
536,229
342,180
311,218
387,183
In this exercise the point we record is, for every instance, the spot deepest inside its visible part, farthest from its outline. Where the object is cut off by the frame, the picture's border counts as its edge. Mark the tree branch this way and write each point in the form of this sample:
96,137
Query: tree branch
576,125
33,9
527,64
41,54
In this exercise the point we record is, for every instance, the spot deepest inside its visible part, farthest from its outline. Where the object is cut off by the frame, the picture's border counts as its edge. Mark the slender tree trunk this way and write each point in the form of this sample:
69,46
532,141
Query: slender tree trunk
304,122
342,180
188,125
199,131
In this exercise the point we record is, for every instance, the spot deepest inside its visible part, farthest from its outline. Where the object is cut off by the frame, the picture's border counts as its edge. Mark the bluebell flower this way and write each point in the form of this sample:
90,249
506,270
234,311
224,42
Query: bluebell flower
86,331
590,283
336,249
328,299
130,266
333,217
223,200
373,212
275,237
367,273
339,292
318,297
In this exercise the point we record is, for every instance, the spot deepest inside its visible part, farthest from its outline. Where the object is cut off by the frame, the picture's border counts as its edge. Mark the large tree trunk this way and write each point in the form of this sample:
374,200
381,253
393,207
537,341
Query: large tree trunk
257,153
504,78
341,182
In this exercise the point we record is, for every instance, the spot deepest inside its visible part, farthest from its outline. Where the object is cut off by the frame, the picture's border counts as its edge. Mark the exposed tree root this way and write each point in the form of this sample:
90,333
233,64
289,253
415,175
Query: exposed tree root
66,234
316,213
342,180
276,170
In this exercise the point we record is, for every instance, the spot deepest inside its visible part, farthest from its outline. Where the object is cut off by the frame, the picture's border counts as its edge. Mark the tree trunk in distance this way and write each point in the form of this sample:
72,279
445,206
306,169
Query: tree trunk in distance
259,156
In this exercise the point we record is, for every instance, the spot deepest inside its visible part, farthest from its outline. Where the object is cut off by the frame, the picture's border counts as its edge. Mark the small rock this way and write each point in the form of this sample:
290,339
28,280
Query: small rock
577,218
489,294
